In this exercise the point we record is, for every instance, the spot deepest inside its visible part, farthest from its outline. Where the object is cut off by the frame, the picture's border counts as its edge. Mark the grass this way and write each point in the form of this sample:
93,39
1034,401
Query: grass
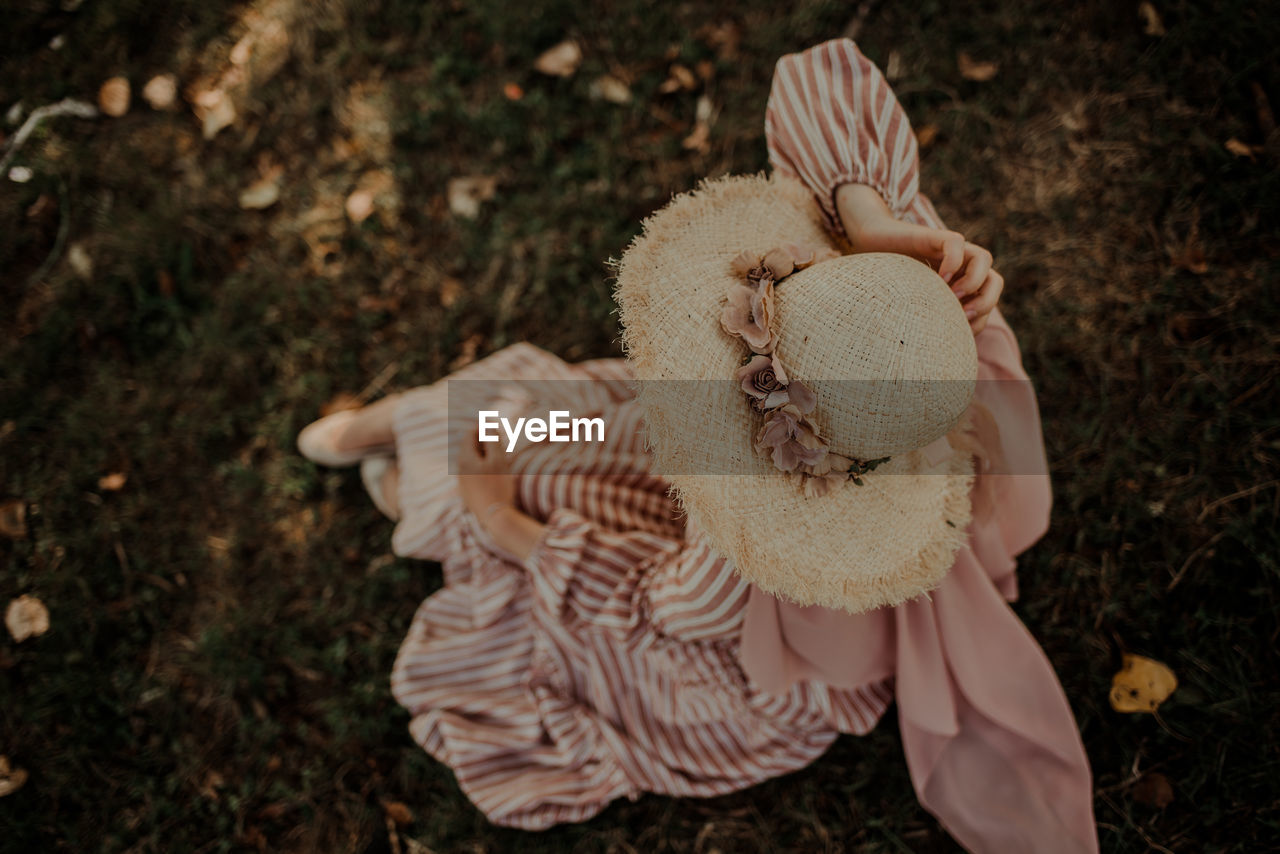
216,677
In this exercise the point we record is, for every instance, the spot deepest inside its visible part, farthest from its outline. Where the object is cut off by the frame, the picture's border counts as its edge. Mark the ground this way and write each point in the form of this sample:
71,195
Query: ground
224,621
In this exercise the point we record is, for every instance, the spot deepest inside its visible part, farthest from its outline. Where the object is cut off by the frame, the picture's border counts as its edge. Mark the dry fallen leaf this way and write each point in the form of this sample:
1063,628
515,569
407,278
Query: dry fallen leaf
242,50
398,812
11,777
113,482
973,70
359,206
611,89
13,519
561,60
26,617
699,140
466,194
450,290
893,67
468,352
1242,149
1262,106
262,193
1190,256
1141,685
681,78
340,402
1154,790
161,91
1151,23
81,263
723,38
926,134
215,109
113,97
213,780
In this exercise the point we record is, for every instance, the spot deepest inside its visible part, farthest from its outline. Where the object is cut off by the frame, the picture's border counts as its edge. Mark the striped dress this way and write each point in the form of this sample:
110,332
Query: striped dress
606,664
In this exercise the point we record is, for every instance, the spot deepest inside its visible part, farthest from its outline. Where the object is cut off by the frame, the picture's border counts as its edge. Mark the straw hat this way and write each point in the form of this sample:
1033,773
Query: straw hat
885,348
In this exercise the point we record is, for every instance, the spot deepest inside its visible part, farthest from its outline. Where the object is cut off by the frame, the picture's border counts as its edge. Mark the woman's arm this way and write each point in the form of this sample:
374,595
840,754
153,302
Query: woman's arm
833,123
871,227
488,490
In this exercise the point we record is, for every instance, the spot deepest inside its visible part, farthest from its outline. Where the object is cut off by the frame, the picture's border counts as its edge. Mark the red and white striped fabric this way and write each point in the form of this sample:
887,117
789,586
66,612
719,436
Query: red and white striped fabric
606,665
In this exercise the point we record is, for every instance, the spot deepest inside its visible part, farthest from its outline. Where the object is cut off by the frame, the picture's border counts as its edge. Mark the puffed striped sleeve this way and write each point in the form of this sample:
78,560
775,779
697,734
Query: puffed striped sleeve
832,119
583,573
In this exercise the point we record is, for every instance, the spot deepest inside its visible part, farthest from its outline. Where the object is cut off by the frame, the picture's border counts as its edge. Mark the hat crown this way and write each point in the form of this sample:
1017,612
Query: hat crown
912,511
885,346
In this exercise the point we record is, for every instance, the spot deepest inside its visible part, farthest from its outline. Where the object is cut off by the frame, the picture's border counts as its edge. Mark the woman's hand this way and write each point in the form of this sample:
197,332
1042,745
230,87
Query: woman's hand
488,489
486,477
965,266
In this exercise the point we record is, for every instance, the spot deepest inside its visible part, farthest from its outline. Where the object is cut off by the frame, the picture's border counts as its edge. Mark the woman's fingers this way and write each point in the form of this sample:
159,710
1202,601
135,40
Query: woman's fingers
980,305
977,266
951,250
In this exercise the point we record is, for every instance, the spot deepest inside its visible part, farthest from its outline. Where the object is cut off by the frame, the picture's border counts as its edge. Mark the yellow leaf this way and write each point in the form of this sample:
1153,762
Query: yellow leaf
1141,685
27,617
971,69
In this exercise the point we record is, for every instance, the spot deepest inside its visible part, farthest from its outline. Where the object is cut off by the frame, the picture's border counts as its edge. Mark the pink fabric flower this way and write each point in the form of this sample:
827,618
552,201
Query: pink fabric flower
801,255
802,397
764,379
779,262
744,263
816,486
748,313
790,439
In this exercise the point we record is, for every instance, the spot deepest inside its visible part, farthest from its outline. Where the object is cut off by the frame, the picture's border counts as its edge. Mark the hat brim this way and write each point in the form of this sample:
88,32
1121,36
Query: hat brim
856,548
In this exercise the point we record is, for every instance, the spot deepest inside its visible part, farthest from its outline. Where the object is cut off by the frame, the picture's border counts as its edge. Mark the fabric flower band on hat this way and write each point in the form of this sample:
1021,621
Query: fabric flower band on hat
788,436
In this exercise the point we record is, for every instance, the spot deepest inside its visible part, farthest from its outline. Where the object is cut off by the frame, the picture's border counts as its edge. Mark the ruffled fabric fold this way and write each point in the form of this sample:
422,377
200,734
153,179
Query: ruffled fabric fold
832,119
606,663
989,737
992,746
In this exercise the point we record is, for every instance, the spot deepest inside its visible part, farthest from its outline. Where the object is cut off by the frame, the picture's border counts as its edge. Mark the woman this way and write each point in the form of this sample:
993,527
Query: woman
592,642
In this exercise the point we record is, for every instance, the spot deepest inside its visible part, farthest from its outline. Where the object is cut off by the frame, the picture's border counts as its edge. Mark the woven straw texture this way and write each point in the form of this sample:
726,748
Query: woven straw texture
879,338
